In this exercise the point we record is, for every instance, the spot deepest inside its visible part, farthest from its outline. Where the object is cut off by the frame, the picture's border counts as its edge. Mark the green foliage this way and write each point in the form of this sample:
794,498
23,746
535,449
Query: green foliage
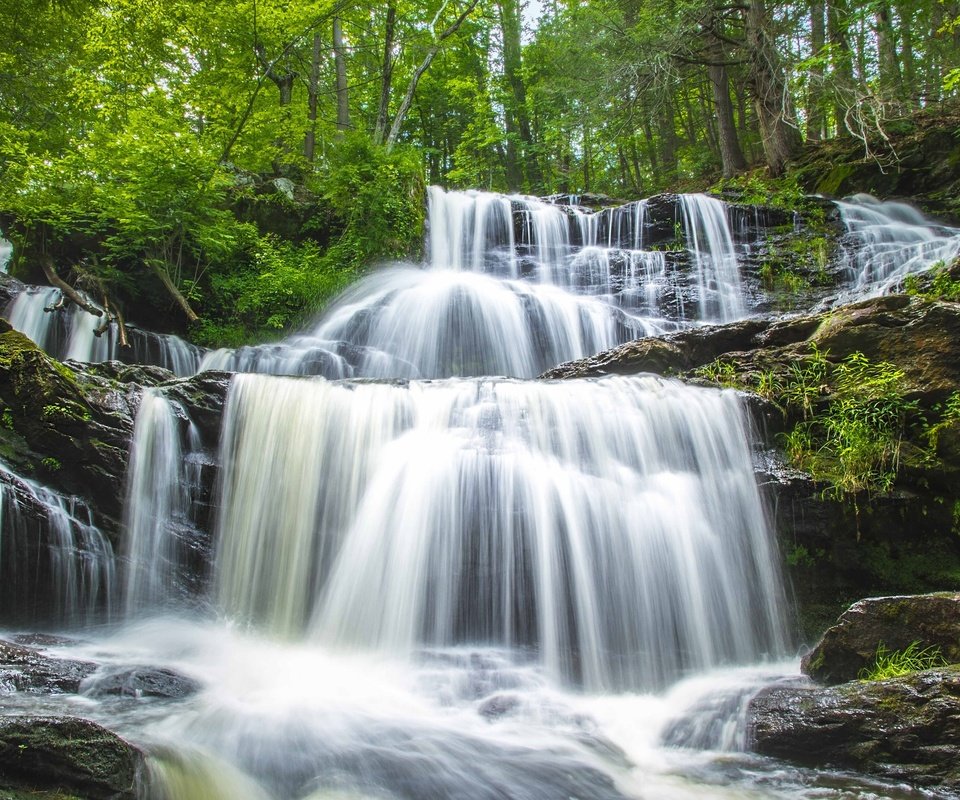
895,663
937,283
852,441
51,464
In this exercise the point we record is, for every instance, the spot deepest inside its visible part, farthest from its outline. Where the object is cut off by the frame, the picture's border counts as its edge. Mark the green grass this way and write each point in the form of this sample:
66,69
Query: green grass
896,663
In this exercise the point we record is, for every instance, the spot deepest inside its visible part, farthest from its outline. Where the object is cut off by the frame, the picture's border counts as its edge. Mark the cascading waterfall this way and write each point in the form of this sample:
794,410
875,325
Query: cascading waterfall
614,528
513,286
50,540
160,488
886,241
6,253
710,244
70,333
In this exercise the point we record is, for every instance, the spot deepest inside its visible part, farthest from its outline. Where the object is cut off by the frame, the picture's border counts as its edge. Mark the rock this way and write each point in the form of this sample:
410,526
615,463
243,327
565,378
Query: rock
904,729
139,682
75,756
25,669
851,645
500,705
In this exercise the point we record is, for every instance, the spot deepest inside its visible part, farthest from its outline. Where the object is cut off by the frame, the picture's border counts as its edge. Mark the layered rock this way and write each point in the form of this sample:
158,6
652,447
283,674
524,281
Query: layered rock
904,729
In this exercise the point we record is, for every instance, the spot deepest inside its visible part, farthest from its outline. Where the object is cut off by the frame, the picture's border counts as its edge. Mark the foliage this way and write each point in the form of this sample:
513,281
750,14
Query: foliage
895,663
854,442
937,283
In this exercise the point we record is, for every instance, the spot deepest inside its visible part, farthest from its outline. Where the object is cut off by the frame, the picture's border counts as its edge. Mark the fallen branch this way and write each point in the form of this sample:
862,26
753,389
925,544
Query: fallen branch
46,264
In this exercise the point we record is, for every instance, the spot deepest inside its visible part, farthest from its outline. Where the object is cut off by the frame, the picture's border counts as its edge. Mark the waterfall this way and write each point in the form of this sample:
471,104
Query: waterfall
162,483
69,332
886,241
711,248
514,285
613,528
55,564
6,253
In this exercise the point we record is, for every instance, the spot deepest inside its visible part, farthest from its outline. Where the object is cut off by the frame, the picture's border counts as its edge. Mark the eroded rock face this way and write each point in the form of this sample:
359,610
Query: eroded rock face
25,669
75,756
902,729
895,622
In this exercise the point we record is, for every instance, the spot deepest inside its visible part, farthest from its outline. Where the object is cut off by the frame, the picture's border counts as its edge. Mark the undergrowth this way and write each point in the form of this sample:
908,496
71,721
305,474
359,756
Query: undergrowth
895,663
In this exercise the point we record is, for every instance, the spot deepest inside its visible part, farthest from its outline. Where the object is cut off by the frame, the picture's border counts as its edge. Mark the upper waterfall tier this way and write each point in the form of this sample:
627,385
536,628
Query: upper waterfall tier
886,241
514,285
613,528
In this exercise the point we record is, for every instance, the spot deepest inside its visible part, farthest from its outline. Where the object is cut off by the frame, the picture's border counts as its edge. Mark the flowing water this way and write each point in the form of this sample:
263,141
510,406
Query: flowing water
71,332
426,586
516,285
886,241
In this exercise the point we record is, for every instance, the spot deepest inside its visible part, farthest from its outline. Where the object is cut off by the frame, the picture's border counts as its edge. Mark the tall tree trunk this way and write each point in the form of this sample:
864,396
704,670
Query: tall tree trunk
841,61
313,90
510,28
340,63
891,79
669,143
818,39
768,84
731,156
908,59
386,74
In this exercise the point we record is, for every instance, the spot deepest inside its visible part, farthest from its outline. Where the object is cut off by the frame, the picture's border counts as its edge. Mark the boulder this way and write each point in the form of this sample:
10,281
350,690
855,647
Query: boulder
139,682
69,755
851,645
903,729
26,669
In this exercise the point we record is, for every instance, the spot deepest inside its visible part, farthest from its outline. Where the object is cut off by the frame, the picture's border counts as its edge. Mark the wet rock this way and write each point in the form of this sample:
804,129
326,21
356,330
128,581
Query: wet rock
70,755
500,705
25,669
139,682
905,729
851,645
203,397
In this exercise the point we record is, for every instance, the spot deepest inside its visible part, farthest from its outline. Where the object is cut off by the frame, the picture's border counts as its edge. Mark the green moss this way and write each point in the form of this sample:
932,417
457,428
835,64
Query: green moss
832,183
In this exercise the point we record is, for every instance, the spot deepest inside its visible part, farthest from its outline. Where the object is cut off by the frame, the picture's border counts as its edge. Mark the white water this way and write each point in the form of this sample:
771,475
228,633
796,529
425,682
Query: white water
6,253
514,286
476,589
614,528
70,333
886,241
51,540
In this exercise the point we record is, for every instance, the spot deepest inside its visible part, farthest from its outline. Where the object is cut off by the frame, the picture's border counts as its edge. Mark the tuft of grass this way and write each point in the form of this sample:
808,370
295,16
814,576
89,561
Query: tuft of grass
895,663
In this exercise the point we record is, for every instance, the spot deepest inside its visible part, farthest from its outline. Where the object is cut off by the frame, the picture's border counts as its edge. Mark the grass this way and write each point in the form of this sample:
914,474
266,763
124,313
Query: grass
896,663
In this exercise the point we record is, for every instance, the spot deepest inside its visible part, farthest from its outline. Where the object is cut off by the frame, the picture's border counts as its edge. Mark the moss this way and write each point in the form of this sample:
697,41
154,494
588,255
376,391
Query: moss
831,184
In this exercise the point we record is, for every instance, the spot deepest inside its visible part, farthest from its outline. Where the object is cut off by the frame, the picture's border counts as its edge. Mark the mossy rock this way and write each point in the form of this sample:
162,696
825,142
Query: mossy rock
69,755
851,646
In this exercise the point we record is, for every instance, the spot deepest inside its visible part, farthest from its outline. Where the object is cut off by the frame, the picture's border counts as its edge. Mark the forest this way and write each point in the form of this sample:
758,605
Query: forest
140,140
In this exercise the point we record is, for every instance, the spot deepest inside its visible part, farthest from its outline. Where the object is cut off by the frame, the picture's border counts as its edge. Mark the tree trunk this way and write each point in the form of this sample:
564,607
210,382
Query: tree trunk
161,272
771,95
340,62
310,140
407,101
386,74
50,272
818,40
891,79
510,27
841,59
731,156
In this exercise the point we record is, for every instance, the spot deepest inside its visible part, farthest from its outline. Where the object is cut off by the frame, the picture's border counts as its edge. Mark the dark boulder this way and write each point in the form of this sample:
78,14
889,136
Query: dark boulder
26,669
139,682
851,645
904,729
67,754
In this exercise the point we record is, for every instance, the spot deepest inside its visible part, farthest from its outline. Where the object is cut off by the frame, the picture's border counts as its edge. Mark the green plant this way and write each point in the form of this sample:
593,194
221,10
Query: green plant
893,664
52,464
721,372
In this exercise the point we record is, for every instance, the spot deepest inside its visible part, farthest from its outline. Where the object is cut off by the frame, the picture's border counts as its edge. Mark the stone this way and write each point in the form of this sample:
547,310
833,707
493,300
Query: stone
25,669
850,646
903,729
139,682
70,755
